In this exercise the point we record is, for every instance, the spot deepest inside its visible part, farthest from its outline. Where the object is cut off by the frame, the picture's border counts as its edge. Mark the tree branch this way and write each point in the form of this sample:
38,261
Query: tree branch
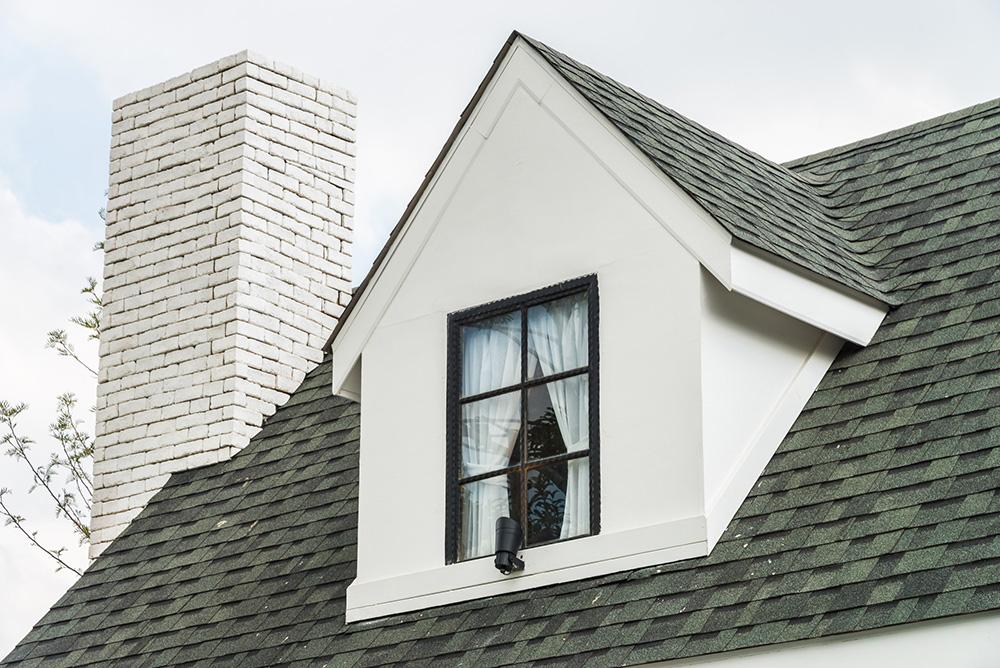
59,341
42,477
80,446
18,522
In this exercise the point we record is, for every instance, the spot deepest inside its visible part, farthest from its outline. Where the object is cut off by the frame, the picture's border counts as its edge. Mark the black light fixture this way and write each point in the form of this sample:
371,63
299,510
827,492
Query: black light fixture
508,542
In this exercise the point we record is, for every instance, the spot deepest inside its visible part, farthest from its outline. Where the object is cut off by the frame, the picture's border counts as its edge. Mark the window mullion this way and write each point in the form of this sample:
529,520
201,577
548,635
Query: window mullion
523,472
533,382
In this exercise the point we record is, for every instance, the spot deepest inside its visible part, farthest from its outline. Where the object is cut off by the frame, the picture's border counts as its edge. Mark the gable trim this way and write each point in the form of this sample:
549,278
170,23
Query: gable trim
418,195
805,296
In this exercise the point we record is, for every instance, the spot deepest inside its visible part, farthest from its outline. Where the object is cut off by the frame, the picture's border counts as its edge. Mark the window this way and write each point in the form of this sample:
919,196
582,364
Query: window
522,419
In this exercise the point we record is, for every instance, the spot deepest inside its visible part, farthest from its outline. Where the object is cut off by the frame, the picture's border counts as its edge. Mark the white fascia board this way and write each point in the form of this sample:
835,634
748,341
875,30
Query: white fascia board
963,641
586,557
805,296
524,69
734,491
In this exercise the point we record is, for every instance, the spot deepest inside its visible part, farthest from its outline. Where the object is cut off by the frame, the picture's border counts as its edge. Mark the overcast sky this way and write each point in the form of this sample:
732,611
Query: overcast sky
782,78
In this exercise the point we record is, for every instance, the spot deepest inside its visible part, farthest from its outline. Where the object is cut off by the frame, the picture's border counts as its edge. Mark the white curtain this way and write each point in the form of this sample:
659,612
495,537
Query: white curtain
491,358
557,341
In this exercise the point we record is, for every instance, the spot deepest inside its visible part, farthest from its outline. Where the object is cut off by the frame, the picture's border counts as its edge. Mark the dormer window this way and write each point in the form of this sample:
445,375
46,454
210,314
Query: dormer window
709,348
522,425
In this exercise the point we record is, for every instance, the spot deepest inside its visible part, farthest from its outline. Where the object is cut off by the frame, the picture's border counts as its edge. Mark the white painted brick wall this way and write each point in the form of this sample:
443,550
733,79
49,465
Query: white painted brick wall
227,263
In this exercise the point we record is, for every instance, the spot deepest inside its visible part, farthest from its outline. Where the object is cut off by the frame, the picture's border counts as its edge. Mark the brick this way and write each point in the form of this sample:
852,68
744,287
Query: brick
227,250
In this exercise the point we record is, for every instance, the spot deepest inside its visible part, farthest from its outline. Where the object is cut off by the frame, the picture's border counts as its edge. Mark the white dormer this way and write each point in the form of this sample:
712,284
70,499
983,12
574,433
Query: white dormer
556,332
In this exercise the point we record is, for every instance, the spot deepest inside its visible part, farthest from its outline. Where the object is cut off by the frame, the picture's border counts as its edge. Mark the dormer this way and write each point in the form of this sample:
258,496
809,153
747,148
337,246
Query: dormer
595,317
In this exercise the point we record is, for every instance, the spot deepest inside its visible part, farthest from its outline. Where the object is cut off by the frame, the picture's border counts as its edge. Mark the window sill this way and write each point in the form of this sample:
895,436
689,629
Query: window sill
576,559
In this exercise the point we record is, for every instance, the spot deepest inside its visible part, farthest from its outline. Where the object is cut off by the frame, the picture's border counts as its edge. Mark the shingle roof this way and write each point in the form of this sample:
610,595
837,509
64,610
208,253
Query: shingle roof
882,505
758,201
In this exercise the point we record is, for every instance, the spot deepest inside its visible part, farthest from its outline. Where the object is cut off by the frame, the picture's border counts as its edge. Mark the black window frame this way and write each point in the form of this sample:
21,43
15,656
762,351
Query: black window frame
585,285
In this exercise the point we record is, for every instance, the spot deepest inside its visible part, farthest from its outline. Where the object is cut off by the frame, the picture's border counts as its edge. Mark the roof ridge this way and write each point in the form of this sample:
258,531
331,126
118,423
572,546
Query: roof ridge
913,128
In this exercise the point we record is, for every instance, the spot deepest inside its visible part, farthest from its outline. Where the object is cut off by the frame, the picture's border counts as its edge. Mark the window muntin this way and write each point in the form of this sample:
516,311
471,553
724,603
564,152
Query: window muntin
522,440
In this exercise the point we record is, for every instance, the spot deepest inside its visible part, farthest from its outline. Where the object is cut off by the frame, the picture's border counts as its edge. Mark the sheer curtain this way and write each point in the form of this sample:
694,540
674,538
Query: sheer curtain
491,358
557,337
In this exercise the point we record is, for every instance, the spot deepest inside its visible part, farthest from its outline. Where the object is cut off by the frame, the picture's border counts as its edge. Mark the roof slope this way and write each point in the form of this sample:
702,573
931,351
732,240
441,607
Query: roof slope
882,506
759,202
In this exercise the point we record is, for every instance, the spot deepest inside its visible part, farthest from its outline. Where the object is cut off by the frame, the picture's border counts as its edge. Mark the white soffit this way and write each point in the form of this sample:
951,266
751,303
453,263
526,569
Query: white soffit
805,296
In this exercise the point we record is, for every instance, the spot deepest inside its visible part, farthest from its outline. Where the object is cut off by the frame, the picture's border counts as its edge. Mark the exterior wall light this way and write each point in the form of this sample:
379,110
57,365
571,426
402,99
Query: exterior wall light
508,542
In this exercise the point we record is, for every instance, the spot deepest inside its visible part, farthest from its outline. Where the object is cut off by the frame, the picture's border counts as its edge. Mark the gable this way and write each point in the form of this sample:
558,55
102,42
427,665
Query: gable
533,208
520,71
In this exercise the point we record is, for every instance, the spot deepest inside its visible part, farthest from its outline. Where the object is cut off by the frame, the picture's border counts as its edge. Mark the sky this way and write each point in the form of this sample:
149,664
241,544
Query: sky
782,78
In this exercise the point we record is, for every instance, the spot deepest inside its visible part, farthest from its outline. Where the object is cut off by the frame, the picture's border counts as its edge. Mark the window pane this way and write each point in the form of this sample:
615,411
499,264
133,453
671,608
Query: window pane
491,353
544,437
482,503
559,417
558,501
546,502
557,336
489,433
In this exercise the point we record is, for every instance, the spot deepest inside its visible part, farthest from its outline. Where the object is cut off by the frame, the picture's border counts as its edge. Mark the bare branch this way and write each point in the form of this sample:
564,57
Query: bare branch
91,321
58,340
18,448
76,446
17,521
65,476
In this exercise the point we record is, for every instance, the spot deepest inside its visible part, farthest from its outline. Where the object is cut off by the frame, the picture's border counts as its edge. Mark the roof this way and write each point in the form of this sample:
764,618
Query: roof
775,209
881,506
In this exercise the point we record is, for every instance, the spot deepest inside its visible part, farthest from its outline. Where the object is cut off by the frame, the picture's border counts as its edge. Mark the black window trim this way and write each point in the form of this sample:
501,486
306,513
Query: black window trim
585,284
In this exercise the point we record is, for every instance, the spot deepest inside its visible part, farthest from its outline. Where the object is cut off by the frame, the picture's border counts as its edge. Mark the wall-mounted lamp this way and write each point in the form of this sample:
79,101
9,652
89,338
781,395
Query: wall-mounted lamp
508,542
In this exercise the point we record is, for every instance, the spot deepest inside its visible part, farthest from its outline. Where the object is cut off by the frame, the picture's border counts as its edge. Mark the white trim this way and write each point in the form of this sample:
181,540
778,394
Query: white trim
523,69
350,386
549,564
964,641
805,296
734,491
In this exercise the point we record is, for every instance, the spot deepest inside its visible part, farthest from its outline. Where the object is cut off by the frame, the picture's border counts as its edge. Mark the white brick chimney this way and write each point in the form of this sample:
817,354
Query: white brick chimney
227,263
